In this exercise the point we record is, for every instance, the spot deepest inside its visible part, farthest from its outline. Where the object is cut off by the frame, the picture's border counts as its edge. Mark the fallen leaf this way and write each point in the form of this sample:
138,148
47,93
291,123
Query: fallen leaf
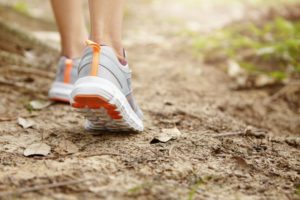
241,81
25,123
39,105
37,149
66,147
293,141
166,135
240,162
263,80
234,70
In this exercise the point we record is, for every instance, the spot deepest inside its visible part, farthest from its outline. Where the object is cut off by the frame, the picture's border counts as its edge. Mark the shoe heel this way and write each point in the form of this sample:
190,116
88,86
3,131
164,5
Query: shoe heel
96,102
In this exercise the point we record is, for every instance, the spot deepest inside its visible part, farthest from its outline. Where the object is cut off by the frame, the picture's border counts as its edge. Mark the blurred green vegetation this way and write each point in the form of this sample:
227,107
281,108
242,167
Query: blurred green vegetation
272,48
22,7
298,190
255,3
194,189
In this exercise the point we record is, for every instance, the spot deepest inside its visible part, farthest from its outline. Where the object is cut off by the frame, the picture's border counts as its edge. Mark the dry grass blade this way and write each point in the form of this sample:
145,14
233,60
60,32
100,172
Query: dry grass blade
98,154
171,150
249,131
286,90
66,147
227,134
43,187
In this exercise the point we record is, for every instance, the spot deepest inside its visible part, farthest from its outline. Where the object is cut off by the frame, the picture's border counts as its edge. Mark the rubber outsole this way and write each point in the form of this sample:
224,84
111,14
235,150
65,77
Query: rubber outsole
96,102
104,106
60,92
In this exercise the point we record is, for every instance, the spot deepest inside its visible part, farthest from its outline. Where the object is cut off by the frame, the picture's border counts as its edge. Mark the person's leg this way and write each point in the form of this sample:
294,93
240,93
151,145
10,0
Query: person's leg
106,23
103,90
70,21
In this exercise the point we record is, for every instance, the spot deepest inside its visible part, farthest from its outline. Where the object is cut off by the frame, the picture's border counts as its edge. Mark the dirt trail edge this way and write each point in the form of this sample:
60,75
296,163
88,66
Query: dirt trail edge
232,145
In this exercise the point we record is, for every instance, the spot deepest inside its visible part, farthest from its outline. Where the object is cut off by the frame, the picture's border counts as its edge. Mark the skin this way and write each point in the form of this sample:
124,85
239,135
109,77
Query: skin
71,26
106,24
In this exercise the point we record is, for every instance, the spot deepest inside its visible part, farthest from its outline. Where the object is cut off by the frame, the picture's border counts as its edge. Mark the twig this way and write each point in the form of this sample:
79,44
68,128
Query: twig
283,90
229,134
43,187
171,150
247,132
98,154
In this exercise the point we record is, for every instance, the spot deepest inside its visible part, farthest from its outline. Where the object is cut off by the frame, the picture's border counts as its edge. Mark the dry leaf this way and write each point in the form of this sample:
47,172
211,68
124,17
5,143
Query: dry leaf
263,80
39,105
166,135
234,69
293,141
37,149
66,147
25,123
30,55
240,162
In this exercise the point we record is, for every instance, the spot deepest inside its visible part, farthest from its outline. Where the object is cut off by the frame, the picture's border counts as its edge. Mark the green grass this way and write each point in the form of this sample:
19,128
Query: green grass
198,184
194,189
298,191
139,188
272,48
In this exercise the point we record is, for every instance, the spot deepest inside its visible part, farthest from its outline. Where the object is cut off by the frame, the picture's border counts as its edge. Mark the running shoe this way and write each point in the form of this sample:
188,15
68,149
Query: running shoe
66,76
103,91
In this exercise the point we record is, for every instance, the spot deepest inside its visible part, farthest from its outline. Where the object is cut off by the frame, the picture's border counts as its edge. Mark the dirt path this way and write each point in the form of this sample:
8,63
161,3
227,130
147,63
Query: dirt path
215,158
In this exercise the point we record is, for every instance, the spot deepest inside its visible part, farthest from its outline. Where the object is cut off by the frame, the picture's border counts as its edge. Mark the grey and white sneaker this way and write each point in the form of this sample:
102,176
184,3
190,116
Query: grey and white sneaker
66,75
103,91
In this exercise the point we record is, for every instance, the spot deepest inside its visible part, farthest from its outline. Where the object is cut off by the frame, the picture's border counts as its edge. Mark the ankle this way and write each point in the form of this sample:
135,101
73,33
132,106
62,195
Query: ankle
73,50
115,44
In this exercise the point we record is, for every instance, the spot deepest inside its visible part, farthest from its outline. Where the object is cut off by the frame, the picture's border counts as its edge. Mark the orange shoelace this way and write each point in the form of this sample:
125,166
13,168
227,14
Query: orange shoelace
96,52
68,70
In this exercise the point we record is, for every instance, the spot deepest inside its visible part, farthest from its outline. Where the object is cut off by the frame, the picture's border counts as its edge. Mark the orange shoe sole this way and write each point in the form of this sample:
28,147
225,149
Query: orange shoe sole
96,102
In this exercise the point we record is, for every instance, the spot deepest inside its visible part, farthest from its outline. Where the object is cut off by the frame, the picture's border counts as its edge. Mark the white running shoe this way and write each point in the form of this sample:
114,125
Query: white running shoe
66,75
103,91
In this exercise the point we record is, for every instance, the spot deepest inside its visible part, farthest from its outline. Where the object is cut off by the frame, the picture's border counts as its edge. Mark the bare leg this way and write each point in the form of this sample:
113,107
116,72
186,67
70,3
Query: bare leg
70,20
106,23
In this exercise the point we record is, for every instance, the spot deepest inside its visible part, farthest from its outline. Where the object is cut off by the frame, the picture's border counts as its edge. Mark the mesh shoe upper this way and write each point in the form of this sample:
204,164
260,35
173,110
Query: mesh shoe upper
111,69
66,75
67,70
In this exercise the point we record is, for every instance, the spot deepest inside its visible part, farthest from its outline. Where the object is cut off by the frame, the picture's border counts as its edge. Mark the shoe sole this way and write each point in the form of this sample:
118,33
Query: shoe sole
60,92
104,105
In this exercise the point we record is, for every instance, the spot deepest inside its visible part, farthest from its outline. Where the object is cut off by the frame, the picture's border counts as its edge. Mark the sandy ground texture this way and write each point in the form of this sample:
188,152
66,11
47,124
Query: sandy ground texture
233,144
